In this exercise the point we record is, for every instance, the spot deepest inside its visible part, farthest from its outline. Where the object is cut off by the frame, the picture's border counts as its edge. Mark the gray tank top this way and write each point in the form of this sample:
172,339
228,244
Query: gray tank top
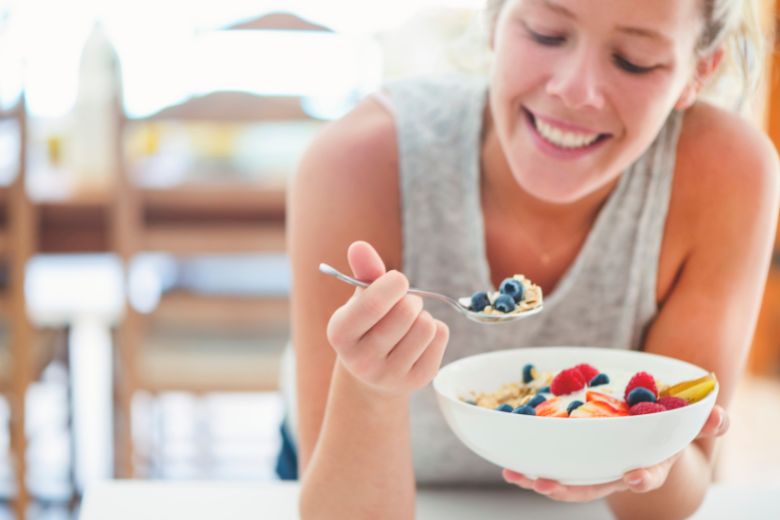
439,122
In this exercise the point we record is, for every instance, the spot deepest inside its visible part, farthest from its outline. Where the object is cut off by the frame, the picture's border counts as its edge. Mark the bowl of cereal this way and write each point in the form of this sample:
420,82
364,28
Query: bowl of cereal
578,415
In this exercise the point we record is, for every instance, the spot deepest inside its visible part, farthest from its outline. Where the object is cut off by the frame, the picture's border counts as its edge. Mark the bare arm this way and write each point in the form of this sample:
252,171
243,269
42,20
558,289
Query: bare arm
354,447
710,315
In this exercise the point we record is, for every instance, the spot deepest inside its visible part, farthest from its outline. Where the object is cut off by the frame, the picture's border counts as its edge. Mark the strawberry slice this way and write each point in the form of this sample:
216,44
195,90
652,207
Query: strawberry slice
551,408
597,409
618,406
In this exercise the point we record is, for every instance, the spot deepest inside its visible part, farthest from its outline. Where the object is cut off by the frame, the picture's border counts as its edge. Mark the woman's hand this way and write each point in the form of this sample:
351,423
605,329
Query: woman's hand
638,480
382,335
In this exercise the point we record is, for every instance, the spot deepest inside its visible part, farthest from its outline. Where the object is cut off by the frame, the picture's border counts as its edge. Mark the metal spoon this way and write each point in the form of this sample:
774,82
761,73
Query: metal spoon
461,304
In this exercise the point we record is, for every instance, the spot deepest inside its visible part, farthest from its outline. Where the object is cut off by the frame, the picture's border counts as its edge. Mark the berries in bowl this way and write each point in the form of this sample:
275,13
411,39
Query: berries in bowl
544,413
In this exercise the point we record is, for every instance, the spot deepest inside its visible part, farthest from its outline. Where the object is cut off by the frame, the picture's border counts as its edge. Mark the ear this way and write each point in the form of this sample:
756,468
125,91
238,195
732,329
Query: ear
705,68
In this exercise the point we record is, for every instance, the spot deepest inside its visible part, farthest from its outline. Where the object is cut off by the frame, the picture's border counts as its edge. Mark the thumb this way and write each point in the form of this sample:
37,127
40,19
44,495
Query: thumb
717,423
365,262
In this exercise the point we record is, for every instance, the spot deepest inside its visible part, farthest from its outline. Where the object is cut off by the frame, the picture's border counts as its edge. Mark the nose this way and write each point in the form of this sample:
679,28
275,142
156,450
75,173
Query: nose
577,82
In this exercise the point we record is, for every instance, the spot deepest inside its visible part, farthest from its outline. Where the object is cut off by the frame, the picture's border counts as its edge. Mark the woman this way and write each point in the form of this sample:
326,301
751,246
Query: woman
585,163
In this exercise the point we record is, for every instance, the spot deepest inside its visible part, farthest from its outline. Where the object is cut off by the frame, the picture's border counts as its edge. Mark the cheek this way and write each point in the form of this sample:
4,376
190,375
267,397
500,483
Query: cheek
519,66
642,104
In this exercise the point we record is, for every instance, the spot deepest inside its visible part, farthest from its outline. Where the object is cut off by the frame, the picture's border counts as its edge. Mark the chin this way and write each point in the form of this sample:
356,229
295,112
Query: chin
555,190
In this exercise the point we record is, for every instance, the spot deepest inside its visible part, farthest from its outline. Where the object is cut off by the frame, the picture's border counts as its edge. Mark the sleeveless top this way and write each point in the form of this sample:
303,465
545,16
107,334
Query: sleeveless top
606,298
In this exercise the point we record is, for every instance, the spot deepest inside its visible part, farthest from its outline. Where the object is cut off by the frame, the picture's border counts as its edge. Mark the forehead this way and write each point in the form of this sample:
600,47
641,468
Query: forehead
673,17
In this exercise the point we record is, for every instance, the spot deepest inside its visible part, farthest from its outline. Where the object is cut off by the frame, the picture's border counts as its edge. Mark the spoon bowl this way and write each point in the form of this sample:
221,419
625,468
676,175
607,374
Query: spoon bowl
460,304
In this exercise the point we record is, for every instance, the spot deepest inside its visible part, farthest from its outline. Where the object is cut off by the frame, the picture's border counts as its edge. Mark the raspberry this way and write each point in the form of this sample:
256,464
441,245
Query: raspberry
587,371
646,407
642,379
670,403
567,381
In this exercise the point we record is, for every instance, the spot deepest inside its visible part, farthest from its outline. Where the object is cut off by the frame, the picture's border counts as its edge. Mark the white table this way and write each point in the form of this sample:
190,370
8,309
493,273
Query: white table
150,500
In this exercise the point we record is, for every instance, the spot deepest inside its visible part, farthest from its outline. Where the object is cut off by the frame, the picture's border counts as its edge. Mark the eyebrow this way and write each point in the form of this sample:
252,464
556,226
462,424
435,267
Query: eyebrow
645,33
557,8
633,31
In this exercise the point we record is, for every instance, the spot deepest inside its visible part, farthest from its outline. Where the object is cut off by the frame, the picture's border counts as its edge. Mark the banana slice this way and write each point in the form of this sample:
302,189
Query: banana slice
693,390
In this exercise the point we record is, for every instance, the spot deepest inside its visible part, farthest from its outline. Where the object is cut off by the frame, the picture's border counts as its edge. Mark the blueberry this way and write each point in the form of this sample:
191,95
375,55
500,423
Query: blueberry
573,406
524,410
479,300
529,373
601,379
544,390
504,407
639,395
504,303
536,401
513,288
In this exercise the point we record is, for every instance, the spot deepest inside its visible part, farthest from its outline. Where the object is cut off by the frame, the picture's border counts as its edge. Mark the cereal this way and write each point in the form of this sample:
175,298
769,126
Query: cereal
569,394
515,295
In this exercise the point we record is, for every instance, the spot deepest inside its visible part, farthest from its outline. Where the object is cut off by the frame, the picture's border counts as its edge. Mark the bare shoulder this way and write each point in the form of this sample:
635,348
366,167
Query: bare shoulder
724,158
717,245
348,180
724,195
364,138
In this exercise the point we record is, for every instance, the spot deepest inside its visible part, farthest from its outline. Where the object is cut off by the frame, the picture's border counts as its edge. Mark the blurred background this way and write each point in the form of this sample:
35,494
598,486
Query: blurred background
145,147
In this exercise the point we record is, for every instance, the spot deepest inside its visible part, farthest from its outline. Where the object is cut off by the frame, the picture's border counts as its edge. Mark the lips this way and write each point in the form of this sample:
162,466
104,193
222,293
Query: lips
563,135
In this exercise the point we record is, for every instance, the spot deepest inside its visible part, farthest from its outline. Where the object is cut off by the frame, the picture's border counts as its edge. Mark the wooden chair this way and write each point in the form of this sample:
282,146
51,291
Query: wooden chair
17,243
170,349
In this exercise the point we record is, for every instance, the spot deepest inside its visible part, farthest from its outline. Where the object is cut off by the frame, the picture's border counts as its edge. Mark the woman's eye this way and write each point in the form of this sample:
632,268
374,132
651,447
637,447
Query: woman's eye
544,39
630,67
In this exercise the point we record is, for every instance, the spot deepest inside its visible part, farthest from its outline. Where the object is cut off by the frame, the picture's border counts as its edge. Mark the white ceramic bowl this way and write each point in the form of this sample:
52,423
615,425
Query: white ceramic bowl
572,451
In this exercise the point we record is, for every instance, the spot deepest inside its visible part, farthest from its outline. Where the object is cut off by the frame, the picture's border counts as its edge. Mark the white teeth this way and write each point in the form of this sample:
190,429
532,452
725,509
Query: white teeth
563,138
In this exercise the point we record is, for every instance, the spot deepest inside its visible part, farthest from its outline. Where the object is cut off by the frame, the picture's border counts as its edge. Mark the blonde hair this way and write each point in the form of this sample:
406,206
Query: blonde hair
735,25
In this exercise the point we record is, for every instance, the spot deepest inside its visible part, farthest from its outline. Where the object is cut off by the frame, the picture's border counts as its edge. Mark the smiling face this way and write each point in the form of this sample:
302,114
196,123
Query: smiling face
579,89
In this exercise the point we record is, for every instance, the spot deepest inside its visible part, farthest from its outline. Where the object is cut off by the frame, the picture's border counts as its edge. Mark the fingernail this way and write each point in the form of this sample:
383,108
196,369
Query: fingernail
635,481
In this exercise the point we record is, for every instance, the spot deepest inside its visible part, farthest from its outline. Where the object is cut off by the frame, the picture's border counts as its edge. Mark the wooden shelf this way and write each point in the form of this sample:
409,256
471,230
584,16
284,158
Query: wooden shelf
214,238
226,203
222,311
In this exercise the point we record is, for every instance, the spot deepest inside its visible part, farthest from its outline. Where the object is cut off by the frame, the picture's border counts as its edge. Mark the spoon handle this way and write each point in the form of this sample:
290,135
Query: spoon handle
332,271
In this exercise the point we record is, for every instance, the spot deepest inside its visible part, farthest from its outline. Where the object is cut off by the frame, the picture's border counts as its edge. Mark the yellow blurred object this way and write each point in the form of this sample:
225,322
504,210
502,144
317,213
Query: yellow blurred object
694,390
144,140
54,149
213,140
150,139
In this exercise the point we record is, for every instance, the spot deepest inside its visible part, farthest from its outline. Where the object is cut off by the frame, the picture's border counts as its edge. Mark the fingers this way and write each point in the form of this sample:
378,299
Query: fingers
717,423
639,480
647,479
427,365
356,317
392,328
365,262
406,352
560,492
382,334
